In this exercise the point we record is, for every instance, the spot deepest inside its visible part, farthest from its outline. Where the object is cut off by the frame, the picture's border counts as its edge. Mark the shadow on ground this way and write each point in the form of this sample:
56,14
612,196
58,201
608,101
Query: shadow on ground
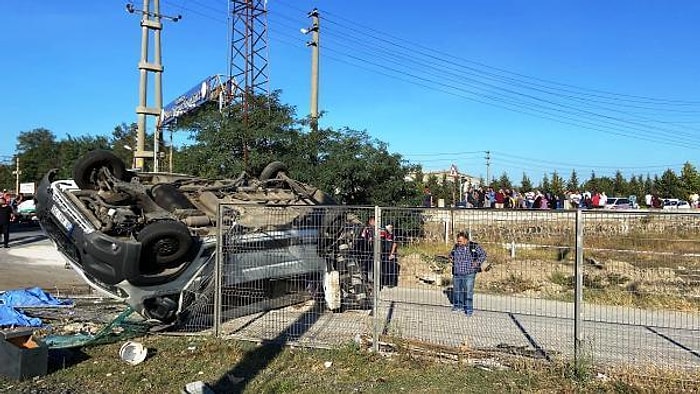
255,361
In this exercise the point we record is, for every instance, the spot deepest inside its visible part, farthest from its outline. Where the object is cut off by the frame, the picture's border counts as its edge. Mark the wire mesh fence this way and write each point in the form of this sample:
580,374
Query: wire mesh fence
611,287
288,272
641,287
514,296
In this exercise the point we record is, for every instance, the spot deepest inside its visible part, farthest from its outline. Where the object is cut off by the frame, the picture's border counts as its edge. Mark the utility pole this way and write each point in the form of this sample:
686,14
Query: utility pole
17,173
488,168
170,158
314,44
150,23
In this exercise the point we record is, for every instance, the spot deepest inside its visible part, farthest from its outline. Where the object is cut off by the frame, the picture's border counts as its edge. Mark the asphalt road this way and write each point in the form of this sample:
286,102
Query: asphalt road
31,260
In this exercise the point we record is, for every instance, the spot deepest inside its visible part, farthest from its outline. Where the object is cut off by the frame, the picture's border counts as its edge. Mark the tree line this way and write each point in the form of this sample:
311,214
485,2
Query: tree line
353,167
668,185
348,164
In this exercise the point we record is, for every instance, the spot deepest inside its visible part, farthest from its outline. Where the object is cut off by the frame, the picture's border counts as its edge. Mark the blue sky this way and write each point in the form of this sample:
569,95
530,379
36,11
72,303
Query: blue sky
542,85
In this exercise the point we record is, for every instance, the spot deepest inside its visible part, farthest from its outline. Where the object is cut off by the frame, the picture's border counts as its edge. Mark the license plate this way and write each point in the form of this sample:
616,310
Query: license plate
61,218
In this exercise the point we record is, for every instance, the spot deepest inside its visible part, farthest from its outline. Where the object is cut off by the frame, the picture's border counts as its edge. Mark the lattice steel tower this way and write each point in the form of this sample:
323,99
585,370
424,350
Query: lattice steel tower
248,65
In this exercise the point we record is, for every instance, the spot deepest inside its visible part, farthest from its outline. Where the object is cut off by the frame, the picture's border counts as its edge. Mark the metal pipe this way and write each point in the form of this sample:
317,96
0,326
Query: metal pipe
218,272
578,288
376,277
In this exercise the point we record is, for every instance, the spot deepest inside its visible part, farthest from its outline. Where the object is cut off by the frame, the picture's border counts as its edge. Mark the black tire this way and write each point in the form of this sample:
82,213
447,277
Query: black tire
85,170
271,170
164,245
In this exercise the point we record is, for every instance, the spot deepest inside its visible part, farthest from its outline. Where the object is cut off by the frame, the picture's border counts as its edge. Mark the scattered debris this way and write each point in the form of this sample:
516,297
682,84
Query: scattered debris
133,352
487,364
595,263
235,379
358,339
197,387
431,279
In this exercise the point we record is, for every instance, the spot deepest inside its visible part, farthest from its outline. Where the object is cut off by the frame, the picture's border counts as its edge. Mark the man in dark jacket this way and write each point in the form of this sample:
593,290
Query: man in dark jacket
466,257
6,216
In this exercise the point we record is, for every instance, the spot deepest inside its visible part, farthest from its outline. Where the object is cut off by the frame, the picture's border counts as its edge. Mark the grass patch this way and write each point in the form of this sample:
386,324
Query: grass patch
644,300
513,283
231,366
562,279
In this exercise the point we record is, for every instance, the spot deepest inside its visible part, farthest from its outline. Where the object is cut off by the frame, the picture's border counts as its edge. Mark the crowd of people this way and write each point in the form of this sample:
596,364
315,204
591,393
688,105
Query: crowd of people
488,197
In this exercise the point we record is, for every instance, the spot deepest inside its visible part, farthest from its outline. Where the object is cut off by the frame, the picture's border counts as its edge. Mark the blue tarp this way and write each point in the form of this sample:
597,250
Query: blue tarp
31,297
11,301
10,316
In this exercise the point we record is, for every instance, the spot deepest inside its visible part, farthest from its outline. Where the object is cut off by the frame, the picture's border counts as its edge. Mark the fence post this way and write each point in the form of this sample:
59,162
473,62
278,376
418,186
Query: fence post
451,228
376,277
217,271
578,288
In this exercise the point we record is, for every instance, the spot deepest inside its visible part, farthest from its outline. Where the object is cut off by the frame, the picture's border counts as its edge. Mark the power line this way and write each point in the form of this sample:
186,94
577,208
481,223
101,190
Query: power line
476,152
428,51
401,59
509,105
609,122
607,125
593,121
514,106
582,165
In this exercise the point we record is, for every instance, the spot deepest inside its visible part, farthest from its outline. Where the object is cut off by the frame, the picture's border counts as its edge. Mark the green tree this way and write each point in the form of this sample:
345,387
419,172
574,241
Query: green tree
690,180
345,163
557,184
636,187
649,185
592,183
7,180
224,145
504,182
545,186
620,186
573,183
669,185
525,184
362,171
38,153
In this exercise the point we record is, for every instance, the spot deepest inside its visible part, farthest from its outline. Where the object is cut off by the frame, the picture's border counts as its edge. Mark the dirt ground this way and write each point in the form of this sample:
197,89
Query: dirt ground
533,277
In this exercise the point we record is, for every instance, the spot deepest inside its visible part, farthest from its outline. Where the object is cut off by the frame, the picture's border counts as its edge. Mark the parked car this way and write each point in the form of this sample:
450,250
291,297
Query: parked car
26,211
149,238
674,203
619,203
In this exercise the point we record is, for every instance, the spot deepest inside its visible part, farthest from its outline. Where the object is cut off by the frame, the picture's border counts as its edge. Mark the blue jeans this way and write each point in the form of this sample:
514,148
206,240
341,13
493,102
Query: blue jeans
463,292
